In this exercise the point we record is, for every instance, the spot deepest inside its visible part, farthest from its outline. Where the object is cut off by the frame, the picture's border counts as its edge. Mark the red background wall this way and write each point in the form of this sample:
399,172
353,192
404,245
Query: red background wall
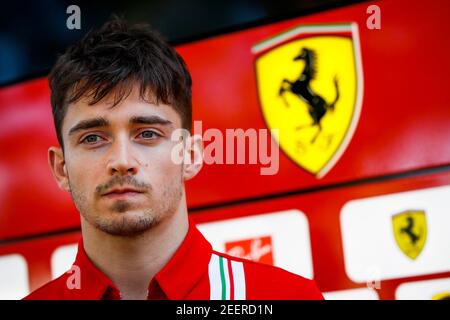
403,132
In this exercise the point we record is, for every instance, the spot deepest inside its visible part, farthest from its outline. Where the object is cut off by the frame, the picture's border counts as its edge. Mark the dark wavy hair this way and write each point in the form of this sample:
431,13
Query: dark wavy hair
114,58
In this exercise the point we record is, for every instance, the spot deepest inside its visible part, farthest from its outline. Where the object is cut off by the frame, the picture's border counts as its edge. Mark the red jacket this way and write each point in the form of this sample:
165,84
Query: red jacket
195,272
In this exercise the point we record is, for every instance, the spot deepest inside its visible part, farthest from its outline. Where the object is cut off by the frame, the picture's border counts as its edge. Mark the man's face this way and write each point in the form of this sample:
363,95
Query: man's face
126,149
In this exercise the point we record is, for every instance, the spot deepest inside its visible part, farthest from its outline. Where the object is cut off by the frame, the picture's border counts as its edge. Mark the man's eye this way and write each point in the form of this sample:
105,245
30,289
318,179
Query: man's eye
92,138
147,134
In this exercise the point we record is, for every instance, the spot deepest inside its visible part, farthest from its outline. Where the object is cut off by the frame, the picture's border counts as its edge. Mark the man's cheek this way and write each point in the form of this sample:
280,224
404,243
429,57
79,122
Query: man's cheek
83,177
162,161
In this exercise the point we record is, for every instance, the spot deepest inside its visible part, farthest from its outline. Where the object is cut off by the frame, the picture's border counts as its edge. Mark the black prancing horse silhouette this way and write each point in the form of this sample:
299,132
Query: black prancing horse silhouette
409,231
317,106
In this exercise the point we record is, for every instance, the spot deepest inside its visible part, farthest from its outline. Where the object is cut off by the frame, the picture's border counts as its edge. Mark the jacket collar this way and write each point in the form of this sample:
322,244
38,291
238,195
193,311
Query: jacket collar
176,279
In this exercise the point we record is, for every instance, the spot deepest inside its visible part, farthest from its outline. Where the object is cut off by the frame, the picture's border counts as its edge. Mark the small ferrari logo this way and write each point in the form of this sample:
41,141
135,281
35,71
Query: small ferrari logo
441,296
410,232
310,88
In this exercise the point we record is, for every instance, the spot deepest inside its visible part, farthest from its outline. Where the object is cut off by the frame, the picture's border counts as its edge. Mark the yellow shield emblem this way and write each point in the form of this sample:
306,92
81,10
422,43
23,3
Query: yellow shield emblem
309,83
441,296
410,232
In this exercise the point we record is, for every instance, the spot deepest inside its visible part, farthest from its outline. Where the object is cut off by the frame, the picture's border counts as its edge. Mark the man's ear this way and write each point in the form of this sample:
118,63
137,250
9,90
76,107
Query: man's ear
194,150
58,167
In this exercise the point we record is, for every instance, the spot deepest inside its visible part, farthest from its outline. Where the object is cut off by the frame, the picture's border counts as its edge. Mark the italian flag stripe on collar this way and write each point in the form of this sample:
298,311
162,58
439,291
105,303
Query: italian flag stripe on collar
226,279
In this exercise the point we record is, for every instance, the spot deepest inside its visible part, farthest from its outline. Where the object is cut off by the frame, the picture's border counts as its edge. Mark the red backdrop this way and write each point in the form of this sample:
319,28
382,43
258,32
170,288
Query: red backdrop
404,127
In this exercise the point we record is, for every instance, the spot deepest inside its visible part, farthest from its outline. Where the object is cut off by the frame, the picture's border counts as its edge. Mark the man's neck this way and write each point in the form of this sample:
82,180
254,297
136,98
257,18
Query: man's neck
131,262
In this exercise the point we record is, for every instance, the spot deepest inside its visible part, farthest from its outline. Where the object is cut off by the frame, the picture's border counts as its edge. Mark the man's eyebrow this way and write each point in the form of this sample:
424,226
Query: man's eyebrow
150,120
89,124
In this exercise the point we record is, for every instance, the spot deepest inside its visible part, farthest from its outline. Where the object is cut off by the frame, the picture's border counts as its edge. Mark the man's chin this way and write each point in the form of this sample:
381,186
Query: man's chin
126,224
122,206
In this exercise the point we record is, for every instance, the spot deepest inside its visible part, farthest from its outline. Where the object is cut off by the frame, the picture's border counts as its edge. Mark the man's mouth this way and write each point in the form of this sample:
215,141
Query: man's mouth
122,193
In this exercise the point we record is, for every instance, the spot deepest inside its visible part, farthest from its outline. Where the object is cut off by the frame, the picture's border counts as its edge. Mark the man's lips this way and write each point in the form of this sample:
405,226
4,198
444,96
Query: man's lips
122,193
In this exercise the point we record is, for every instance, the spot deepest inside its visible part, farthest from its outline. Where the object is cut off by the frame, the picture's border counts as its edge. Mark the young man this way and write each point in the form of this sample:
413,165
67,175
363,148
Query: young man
117,96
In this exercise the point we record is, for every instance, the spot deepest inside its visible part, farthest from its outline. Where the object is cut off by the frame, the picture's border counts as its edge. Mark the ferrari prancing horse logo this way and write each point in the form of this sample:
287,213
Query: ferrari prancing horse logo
410,232
310,88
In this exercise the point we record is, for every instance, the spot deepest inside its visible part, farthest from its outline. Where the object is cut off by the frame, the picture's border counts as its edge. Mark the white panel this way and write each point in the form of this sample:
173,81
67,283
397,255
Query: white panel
370,249
62,259
13,277
288,229
422,290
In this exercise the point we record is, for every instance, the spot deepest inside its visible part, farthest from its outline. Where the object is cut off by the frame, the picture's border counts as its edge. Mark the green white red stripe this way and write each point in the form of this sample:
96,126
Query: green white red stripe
226,279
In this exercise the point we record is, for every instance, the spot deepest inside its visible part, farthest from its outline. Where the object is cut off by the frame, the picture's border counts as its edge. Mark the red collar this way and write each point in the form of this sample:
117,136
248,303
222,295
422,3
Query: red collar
174,281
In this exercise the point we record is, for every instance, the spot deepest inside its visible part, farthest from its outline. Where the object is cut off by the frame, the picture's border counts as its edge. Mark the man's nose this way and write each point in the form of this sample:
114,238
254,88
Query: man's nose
122,161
